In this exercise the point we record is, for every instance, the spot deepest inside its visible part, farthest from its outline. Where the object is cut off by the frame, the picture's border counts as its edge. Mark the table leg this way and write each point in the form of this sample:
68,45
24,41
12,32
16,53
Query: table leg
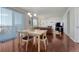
19,41
34,40
18,38
38,43
26,46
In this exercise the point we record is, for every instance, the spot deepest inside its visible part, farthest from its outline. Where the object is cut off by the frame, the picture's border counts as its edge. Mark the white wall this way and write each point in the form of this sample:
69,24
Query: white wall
72,23
76,33
27,21
65,22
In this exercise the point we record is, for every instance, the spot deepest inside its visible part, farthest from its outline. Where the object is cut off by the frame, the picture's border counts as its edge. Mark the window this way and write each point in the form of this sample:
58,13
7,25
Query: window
6,17
10,22
0,19
35,23
18,20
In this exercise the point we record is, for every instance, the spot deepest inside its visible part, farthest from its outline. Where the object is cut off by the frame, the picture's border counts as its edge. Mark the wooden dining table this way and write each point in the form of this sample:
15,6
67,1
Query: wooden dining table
34,33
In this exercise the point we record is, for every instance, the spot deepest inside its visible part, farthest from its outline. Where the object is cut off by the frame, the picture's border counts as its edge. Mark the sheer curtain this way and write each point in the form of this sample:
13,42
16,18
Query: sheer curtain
18,21
0,19
10,22
6,20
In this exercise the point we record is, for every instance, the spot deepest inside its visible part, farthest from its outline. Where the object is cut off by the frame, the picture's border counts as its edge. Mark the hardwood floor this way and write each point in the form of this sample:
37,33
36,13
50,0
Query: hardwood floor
55,44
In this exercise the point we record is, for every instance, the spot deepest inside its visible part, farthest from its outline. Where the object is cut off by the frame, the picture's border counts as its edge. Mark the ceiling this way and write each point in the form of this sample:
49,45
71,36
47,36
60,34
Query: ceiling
47,11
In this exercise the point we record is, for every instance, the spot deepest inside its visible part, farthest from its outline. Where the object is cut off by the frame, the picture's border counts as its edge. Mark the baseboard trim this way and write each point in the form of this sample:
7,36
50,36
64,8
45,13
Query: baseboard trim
72,38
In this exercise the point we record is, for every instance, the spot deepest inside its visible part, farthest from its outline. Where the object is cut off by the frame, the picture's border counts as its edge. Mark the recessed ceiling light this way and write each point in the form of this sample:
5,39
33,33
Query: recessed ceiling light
35,14
29,13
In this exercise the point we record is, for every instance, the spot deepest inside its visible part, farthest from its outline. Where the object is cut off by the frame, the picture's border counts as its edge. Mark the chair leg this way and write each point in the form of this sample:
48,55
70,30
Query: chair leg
26,46
47,42
45,45
34,41
21,46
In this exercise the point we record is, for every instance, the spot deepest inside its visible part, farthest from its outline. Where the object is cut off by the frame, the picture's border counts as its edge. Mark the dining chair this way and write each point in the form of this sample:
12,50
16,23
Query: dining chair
44,40
25,38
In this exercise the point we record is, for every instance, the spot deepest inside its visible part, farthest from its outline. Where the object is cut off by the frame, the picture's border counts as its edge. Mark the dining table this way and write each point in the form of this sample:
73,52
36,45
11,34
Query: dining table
34,33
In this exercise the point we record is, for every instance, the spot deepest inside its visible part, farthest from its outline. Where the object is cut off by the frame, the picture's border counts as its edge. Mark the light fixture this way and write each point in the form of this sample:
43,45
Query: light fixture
29,13
35,14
